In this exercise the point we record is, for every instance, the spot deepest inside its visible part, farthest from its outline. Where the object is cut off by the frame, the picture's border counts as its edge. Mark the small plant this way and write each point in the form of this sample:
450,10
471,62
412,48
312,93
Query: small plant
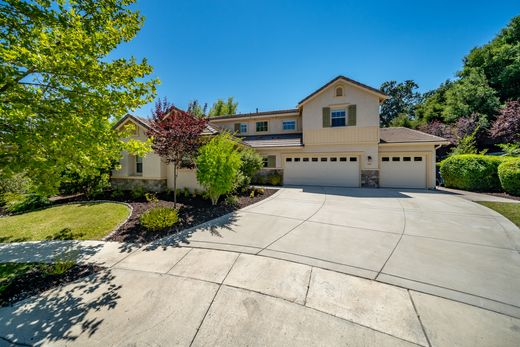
510,149
275,179
159,218
252,193
137,193
151,198
59,267
232,200
186,193
259,191
117,193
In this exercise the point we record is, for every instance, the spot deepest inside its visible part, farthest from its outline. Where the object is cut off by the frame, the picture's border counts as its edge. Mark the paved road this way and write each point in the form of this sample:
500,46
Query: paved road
312,266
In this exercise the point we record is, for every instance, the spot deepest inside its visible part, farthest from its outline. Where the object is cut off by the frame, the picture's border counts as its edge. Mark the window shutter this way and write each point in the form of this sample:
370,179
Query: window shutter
237,127
271,161
326,117
351,115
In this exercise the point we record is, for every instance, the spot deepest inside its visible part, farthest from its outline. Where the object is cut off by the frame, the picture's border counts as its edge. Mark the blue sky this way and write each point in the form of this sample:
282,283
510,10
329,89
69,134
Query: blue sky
270,54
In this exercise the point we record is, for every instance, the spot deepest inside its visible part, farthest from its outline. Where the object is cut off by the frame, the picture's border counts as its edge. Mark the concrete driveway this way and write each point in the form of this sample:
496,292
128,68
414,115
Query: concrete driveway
306,267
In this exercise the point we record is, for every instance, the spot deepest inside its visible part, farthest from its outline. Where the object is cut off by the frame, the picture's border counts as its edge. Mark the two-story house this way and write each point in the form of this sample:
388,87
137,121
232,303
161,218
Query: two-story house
332,138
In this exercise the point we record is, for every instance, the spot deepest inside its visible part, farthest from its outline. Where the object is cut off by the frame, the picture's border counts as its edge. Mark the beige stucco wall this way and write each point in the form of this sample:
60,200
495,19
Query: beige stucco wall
153,166
274,124
186,178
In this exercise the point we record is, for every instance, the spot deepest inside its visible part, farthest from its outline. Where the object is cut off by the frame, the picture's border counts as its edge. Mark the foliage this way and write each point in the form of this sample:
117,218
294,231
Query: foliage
433,104
232,200
438,128
137,193
510,149
159,218
252,162
510,210
403,120
506,127
218,165
470,94
509,175
175,135
222,108
195,109
18,203
16,184
73,182
275,178
472,172
466,145
259,191
60,92
186,193
79,221
58,267
151,198
402,101
117,193
474,124
498,60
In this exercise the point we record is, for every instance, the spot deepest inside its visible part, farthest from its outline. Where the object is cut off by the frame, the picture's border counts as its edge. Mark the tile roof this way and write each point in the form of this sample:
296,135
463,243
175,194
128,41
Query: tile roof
281,140
255,114
406,135
359,84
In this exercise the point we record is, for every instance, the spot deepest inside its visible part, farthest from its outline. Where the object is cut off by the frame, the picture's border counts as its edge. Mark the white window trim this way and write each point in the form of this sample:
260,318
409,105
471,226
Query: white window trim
345,109
240,128
290,120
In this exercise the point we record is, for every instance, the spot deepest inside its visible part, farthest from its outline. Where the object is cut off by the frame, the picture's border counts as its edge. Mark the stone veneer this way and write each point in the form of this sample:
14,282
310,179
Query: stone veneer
370,178
151,185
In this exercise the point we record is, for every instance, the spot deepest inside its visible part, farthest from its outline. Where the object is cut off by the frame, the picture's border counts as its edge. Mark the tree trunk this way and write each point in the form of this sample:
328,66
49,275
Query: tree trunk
175,184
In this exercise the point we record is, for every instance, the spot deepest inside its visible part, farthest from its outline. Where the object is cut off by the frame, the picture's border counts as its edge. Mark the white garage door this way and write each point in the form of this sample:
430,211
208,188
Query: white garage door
403,171
322,170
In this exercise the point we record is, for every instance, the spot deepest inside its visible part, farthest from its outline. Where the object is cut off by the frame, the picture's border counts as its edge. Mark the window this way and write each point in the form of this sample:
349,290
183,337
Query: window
288,159
289,125
407,159
138,165
333,159
296,159
323,159
338,118
396,158
343,159
385,159
314,159
269,161
339,91
305,159
243,128
261,126
417,158
353,158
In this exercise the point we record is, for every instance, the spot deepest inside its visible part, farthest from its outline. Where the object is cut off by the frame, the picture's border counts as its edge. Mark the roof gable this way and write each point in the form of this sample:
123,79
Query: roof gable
349,81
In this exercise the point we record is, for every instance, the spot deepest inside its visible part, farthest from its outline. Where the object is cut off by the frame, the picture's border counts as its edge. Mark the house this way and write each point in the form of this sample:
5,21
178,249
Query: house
332,138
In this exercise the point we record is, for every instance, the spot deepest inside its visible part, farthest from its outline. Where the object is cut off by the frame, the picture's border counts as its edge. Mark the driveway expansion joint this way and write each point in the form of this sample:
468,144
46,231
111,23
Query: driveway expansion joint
419,318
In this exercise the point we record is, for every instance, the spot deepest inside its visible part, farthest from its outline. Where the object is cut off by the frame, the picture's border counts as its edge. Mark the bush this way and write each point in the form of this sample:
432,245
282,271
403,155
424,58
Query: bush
159,218
232,200
509,175
275,178
117,193
471,172
252,162
18,203
137,193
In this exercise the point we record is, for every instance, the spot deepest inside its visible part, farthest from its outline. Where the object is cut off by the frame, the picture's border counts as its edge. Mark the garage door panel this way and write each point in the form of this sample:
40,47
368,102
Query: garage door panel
398,170
322,170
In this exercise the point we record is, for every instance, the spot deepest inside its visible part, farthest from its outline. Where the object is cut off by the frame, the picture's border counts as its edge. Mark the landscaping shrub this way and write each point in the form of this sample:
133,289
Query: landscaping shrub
232,200
18,203
472,172
137,193
275,178
509,175
159,218
117,193
252,162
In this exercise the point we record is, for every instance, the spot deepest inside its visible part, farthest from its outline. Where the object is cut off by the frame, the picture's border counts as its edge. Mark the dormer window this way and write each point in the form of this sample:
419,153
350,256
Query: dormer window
339,91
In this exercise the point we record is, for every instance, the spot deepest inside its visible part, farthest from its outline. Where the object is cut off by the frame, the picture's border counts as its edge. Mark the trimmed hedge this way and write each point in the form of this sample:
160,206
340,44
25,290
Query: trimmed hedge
159,218
509,175
473,172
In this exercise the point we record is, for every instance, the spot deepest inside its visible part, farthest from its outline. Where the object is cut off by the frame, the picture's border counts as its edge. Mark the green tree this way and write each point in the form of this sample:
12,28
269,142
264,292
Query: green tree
470,94
218,166
402,101
252,162
60,94
223,108
500,61
196,109
433,104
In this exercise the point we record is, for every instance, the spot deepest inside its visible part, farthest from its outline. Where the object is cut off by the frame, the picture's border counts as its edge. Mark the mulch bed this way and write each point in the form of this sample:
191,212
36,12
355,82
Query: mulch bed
192,211
35,282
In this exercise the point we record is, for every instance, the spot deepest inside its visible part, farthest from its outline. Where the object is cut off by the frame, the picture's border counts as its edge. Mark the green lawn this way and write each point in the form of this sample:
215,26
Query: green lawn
80,221
510,210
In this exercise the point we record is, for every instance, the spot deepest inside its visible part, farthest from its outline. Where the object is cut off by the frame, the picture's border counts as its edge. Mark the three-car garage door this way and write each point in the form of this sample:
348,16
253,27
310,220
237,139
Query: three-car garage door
322,170
401,170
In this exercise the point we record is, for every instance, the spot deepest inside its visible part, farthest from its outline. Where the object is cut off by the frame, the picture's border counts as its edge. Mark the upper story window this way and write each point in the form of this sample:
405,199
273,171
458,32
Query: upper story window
138,165
243,128
338,117
289,125
261,126
339,91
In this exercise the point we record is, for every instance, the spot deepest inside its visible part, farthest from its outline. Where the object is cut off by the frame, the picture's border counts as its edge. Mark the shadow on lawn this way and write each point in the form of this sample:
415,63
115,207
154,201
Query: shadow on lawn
61,314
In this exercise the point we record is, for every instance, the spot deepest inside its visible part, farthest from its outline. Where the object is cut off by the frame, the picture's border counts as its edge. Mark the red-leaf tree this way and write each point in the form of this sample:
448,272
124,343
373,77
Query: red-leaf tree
506,127
175,135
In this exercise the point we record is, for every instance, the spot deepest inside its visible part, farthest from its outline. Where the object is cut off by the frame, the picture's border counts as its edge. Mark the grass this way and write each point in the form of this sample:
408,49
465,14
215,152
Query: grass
510,210
80,221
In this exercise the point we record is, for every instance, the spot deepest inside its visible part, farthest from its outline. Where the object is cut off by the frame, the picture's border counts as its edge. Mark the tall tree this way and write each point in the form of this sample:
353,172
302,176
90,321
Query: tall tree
402,101
176,136
506,127
60,92
433,104
196,109
223,108
500,61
